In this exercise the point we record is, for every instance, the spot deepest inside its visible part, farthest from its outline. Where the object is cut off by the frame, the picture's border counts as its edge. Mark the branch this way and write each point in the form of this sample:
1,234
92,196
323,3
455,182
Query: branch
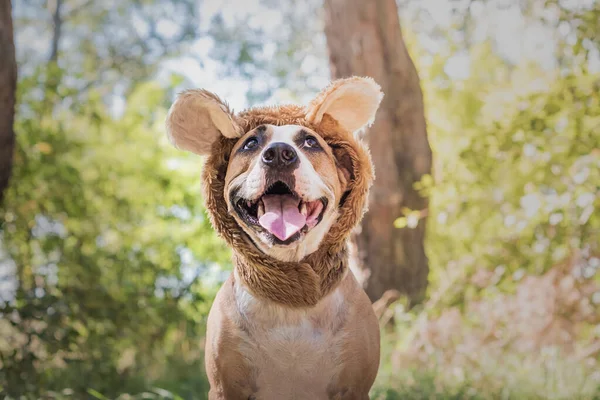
55,7
78,8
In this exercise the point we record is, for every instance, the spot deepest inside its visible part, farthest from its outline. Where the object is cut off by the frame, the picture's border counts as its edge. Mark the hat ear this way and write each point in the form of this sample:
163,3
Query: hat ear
197,119
352,102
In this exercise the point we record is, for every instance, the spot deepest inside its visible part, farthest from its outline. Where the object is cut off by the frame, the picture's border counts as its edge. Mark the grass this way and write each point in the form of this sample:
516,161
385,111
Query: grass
486,375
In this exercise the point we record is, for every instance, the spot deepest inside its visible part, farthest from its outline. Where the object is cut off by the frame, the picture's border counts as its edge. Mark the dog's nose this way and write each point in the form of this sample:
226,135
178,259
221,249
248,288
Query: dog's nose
280,155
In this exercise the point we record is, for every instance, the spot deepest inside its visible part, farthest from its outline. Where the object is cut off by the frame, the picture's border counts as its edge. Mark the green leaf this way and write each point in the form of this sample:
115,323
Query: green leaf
401,222
96,394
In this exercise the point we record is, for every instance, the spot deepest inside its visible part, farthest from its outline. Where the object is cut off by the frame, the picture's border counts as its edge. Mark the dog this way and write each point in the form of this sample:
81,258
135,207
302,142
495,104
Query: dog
285,186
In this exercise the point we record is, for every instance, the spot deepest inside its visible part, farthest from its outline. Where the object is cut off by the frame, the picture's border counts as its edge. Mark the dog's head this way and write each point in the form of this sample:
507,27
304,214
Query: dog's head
283,172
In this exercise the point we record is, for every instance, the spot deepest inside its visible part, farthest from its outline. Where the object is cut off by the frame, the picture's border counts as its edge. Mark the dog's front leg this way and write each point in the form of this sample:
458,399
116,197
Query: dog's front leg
233,383
230,393
349,394
229,373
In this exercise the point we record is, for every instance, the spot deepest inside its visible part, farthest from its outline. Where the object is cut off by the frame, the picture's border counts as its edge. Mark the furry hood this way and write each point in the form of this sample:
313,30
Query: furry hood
304,283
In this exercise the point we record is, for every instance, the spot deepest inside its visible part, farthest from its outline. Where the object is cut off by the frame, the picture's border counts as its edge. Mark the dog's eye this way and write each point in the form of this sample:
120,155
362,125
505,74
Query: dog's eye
250,143
311,142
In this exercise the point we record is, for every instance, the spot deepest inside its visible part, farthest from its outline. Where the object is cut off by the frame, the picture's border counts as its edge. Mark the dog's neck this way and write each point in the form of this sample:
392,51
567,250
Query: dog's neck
293,284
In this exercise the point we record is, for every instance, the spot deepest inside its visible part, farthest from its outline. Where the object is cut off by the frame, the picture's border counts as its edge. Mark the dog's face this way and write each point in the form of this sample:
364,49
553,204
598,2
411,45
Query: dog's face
283,183
283,186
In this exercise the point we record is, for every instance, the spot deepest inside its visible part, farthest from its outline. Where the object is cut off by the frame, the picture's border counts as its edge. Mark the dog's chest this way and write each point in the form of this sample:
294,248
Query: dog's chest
294,352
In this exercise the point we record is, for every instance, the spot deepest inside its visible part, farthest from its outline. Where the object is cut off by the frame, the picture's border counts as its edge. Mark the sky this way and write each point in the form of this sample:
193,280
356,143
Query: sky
515,39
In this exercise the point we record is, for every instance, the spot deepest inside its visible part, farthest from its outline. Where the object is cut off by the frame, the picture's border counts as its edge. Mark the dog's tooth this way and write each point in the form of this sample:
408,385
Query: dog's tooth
261,209
303,210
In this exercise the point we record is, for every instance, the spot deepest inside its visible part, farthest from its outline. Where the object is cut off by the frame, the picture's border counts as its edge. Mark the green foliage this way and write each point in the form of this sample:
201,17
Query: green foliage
107,239
485,375
103,45
517,170
512,223
106,255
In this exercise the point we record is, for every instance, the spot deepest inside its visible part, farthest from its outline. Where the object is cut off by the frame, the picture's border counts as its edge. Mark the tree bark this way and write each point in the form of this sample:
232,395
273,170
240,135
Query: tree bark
364,38
8,86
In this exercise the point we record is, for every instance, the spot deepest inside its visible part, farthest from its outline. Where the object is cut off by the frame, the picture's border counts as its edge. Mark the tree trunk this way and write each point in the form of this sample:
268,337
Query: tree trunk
8,86
364,38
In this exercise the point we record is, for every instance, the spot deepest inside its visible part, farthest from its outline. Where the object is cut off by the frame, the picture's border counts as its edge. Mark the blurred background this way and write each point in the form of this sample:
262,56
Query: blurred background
481,249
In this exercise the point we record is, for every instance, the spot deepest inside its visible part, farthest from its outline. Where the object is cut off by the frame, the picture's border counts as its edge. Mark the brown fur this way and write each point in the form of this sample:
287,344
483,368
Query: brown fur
293,284
287,291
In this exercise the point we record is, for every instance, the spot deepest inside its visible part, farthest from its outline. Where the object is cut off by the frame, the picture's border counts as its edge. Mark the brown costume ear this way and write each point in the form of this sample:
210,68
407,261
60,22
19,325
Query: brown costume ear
352,102
197,119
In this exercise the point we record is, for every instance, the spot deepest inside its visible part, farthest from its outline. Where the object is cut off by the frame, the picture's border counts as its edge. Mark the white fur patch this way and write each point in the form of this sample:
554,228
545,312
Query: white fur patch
308,181
284,342
309,186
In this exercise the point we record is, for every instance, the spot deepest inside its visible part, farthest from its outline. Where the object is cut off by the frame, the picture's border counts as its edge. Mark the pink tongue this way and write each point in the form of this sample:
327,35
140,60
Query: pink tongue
282,217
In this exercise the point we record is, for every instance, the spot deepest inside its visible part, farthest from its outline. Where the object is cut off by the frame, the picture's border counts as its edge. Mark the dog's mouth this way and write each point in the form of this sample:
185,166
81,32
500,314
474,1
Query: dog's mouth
281,213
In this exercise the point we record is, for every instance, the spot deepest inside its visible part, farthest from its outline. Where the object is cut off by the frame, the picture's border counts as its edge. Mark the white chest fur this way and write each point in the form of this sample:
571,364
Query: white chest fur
295,350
